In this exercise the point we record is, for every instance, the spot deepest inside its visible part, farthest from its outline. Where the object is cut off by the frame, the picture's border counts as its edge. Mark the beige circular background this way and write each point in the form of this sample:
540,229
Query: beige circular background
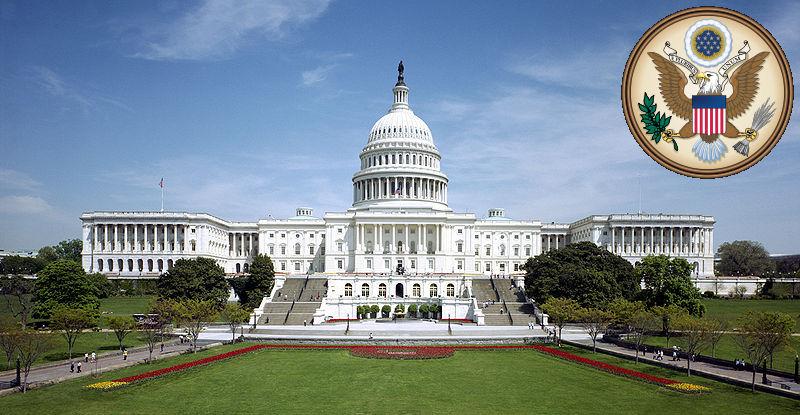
775,83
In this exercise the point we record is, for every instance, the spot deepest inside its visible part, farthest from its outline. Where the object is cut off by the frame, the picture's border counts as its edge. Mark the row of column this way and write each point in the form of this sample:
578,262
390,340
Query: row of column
420,239
552,242
242,244
139,238
400,188
400,159
662,240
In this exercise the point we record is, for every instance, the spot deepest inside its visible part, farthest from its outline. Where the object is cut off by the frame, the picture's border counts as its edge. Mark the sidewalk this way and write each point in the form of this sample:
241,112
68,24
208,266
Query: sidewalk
59,371
722,373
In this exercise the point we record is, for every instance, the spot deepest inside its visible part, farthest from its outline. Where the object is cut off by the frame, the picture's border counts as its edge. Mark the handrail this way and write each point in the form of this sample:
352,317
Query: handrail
303,288
285,319
505,306
494,288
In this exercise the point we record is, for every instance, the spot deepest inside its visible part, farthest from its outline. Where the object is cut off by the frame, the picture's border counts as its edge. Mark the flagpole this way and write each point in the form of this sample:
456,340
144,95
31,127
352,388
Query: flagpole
162,197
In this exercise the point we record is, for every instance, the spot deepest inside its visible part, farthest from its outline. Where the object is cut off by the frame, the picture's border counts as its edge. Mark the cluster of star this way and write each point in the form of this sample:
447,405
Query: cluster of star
707,43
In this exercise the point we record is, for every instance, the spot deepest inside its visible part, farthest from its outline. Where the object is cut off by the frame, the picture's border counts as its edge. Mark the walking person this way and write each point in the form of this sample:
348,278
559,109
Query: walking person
79,366
94,357
86,357
72,366
162,347
125,354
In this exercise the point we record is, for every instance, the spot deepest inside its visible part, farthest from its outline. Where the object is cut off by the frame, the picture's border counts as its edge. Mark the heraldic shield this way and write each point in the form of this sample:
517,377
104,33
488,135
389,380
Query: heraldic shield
709,114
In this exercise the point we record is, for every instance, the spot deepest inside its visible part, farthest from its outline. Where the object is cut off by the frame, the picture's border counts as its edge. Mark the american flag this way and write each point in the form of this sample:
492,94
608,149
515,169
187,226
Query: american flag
161,183
708,114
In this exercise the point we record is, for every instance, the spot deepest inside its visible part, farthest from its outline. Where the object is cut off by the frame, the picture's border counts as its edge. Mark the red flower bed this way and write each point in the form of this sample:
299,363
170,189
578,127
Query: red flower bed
402,352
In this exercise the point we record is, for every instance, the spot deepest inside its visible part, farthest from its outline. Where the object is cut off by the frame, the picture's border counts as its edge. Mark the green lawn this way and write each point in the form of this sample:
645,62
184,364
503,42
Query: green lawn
309,381
731,309
108,306
87,343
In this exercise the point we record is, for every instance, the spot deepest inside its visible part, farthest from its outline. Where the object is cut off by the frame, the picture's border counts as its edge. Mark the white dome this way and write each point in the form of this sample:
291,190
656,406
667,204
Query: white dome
400,123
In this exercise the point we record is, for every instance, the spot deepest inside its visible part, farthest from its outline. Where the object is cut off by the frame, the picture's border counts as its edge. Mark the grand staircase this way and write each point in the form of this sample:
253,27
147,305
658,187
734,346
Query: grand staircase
295,302
509,307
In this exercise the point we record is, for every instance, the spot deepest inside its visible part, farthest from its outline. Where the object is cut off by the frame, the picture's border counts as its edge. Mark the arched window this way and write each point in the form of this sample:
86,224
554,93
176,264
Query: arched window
160,265
382,290
110,265
434,291
297,249
140,265
415,290
348,290
169,264
451,290
120,265
238,268
246,267
399,247
100,265
365,290
130,265
149,265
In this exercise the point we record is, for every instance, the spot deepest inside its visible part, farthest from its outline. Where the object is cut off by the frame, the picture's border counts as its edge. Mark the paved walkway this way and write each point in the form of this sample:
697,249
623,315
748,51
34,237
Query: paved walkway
740,376
373,330
59,371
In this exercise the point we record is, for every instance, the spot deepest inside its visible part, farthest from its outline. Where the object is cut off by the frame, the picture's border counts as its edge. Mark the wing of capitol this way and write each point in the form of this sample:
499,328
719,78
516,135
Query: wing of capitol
399,243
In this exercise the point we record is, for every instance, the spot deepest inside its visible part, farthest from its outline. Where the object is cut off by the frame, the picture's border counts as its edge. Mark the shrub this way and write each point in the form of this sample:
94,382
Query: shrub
423,309
412,310
374,310
399,309
434,310
385,310
709,294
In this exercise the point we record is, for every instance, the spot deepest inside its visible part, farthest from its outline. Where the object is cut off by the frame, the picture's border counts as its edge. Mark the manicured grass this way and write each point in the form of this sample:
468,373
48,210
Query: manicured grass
728,349
729,309
332,381
88,342
123,306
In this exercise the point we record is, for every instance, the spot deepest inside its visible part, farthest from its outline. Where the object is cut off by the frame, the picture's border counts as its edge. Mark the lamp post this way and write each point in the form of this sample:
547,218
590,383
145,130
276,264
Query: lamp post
348,324
796,367
449,330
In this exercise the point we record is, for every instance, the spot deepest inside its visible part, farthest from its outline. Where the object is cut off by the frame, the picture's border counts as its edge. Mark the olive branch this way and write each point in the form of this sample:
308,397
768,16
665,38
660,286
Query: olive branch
655,123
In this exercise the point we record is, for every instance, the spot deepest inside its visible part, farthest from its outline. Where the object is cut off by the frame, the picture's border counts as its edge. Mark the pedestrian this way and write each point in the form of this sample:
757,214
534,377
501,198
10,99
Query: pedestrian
305,323
94,357
86,357
162,347
72,367
370,335
125,354
79,366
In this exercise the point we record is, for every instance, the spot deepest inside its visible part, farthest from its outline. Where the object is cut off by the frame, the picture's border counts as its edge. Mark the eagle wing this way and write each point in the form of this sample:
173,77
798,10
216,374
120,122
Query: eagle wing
745,85
671,84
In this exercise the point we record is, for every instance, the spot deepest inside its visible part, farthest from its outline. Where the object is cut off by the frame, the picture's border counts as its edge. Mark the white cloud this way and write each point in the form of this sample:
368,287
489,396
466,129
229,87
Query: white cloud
26,205
12,179
218,28
316,75
87,100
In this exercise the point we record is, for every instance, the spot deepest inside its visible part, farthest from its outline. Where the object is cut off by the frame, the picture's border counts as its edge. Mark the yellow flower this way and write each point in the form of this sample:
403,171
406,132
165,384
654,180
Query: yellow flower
689,387
105,385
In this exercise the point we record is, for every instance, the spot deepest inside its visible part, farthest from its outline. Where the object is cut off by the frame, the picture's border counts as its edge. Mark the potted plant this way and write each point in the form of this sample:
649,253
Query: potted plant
434,310
374,311
399,310
359,311
412,310
423,309
385,310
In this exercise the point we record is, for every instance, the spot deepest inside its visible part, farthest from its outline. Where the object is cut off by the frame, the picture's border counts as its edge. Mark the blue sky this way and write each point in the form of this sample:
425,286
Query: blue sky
254,109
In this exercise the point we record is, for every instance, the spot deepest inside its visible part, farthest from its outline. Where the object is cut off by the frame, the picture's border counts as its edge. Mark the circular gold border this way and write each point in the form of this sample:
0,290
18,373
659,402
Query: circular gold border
722,42
772,140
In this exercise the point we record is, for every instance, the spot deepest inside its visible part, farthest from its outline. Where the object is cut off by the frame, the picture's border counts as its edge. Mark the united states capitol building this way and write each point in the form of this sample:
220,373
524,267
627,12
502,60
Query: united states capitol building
400,242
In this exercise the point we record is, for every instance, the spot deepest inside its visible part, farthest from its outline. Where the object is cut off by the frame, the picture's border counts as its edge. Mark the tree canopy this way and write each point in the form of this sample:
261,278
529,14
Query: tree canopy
744,258
253,287
15,264
63,283
194,279
668,282
584,272
69,249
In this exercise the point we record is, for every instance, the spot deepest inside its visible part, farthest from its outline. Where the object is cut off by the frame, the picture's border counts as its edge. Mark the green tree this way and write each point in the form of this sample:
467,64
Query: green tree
47,254
256,285
561,311
18,293
761,333
69,249
193,315
121,326
594,322
668,282
16,264
234,315
196,279
718,330
624,310
71,322
641,322
102,287
9,330
30,346
434,310
584,272
667,315
744,258
63,283
696,336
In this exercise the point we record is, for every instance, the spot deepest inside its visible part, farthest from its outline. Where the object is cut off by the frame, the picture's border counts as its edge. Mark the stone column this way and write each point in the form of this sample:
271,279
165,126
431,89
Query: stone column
405,244
613,241
622,240
94,235
680,241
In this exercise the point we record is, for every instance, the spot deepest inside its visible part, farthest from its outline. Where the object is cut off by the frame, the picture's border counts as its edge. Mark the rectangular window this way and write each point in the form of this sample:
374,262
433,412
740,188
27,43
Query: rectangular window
339,264
369,263
516,267
283,250
386,264
460,265
477,236
488,251
460,231
516,236
527,237
311,250
272,250
283,266
271,235
488,266
430,264
516,251
477,267
283,235
413,263
297,266
339,230
527,252
460,247
339,246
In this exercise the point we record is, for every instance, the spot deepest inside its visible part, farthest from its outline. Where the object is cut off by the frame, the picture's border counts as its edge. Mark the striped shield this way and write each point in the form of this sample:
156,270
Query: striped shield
708,114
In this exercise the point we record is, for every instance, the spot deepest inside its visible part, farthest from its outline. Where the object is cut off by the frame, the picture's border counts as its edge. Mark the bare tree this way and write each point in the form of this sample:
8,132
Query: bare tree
718,329
9,331
696,334
150,332
594,322
193,315
122,326
71,322
30,346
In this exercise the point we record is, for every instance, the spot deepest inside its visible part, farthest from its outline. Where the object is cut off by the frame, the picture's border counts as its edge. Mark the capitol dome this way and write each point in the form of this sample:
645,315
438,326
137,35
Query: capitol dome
400,165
